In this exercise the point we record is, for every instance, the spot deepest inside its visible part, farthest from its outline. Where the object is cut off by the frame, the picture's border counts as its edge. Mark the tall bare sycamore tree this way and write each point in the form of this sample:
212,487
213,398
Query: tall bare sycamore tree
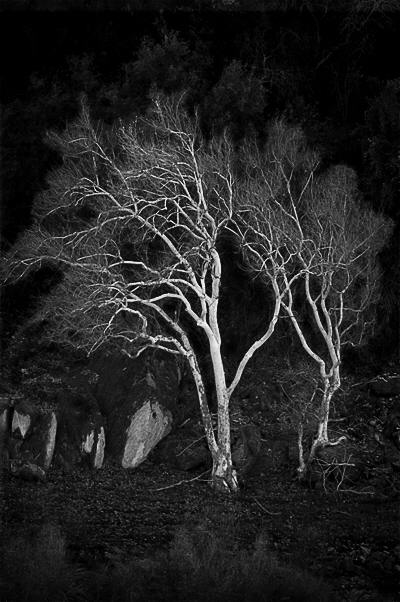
309,227
133,218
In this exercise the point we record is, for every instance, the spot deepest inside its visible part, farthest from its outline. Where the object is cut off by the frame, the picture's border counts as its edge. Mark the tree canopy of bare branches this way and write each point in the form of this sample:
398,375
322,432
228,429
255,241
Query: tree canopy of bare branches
133,219
309,228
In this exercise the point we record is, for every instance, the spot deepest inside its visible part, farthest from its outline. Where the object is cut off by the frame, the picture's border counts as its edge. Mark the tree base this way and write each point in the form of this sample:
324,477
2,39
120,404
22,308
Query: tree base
227,483
304,471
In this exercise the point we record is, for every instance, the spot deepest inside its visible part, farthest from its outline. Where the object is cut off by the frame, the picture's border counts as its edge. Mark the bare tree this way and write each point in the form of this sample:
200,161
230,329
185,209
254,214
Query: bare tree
133,218
326,243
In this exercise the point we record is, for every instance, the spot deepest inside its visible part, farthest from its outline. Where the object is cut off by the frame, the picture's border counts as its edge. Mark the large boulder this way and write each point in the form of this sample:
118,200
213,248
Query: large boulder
5,416
121,379
184,450
23,420
39,446
194,457
81,437
33,435
139,398
136,427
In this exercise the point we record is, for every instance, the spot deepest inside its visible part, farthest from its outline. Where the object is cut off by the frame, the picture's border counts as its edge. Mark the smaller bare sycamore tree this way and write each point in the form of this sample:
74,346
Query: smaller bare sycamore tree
327,243
133,218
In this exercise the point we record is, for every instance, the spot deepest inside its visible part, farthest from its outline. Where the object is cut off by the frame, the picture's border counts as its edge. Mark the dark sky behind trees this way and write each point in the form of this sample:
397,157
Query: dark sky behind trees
334,72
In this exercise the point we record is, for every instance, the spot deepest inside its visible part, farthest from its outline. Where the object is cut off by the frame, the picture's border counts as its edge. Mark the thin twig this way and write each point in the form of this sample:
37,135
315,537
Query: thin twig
264,509
286,394
190,445
357,492
181,482
363,382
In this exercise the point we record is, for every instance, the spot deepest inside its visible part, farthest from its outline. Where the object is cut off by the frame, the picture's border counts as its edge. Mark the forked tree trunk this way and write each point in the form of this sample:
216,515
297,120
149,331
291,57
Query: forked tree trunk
223,476
322,439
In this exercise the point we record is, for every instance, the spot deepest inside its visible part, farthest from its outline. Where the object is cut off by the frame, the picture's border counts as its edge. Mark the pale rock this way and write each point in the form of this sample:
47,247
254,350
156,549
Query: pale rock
93,445
21,422
38,443
81,435
147,426
139,398
100,447
87,443
4,418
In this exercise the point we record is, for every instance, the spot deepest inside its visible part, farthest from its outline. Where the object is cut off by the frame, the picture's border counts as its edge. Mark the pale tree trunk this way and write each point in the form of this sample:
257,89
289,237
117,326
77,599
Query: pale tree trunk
325,408
203,403
331,385
223,474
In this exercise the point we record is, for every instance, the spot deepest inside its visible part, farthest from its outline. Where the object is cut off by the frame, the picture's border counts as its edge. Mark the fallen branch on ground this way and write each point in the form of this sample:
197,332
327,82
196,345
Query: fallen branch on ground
358,492
181,482
264,509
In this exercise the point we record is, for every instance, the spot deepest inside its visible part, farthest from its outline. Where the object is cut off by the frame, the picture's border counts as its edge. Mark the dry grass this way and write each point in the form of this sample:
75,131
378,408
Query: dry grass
199,566
37,570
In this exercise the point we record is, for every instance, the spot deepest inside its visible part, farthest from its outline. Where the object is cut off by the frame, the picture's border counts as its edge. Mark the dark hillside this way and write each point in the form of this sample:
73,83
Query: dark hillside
105,468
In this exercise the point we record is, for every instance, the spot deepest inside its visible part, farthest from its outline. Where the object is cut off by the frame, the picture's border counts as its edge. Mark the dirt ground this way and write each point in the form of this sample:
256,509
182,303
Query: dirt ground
346,534
350,539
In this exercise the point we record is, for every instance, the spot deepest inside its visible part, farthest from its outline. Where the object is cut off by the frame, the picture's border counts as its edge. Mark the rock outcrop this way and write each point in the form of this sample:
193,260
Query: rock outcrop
121,379
123,412
24,417
194,457
5,415
33,437
81,436
139,399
